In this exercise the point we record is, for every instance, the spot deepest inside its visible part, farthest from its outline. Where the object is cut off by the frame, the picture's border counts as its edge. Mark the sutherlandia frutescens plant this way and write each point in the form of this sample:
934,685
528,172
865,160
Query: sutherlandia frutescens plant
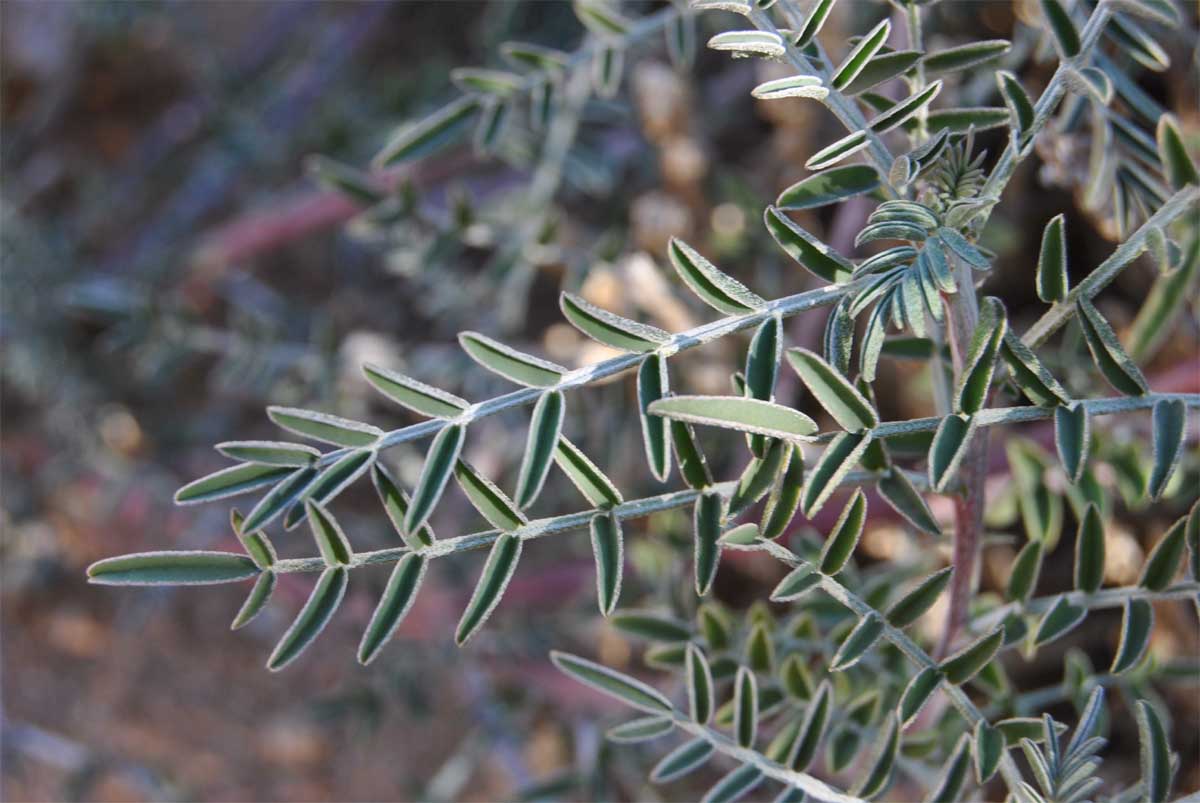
845,676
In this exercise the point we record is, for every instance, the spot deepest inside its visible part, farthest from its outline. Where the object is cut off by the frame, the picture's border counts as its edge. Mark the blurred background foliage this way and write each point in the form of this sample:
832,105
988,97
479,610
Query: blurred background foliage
168,269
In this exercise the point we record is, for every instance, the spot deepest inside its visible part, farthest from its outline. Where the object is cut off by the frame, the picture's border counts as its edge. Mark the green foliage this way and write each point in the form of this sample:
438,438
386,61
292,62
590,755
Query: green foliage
845,672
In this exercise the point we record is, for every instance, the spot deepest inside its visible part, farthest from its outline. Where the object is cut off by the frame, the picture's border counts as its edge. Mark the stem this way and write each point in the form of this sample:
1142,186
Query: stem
1047,102
916,42
1106,598
962,313
911,650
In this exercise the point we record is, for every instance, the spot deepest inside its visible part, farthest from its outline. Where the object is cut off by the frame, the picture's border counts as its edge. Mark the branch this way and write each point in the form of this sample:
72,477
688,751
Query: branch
1177,205
911,650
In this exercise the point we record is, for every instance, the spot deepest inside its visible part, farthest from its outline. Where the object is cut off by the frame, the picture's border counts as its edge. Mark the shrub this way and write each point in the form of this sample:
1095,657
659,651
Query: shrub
845,673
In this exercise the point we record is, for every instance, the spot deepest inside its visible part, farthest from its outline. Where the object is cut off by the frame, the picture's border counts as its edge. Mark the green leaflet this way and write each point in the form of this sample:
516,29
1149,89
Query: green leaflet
816,717
839,457
608,65
231,481
812,24
844,148
1020,107
269,453
425,136
622,687
416,396
172,568
964,664
1072,439
762,359
707,552
861,638
692,465
954,774
1163,562
591,482
1107,353
339,475
699,686
351,182
681,40
535,58
324,600
608,549
1155,754
398,597
840,544
745,707
963,56
1065,35
1059,620
600,19
1023,576
897,490
1161,308
972,391
1030,375
1052,281
749,43
652,385
1090,551
641,729
873,339
395,504
793,86
760,650
917,692
713,623
489,500
762,369
913,605
1170,430
610,329
649,625
989,750
838,341
785,494
1178,168
682,760
719,291
259,596
758,477
524,369
734,785
964,250
1137,624
883,67
886,749
814,255
948,448
544,428
497,571
833,391
324,427
797,681
279,498
439,463
959,120
796,584
491,126
905,109
733,412
331,540
863,52
256,543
